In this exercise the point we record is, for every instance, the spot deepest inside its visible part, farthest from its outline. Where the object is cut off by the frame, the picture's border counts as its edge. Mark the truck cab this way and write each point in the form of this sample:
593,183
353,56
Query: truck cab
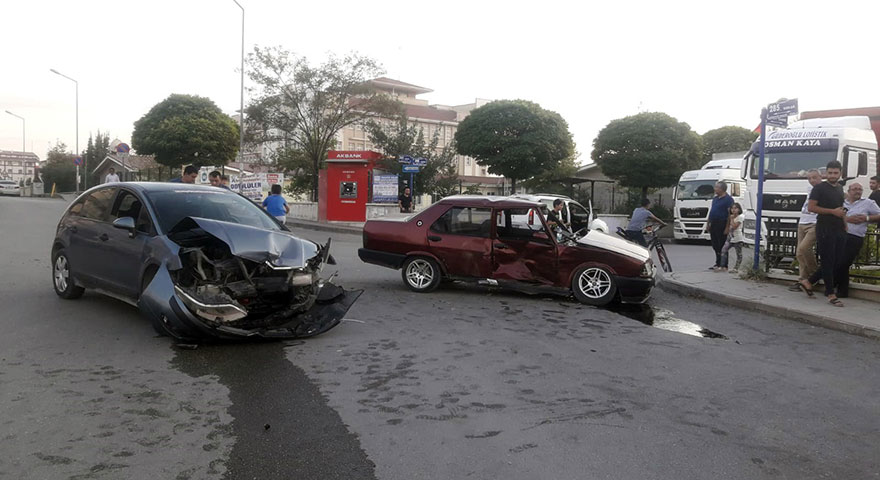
791,152
693,198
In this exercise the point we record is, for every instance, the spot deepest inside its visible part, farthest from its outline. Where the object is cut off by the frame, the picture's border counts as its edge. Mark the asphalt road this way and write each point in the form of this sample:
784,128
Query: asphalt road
461,383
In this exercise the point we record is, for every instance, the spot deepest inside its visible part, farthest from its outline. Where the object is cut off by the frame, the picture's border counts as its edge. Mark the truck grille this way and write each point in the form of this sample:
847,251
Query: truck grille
784,203
693,212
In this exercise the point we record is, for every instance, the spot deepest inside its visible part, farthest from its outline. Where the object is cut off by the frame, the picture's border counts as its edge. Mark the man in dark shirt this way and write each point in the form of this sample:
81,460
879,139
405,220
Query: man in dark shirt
553,220
189,175
826,200
404,201
875,189
719,215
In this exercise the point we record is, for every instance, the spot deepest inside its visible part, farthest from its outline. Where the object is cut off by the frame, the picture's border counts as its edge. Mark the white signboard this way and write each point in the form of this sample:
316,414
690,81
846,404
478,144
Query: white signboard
256,187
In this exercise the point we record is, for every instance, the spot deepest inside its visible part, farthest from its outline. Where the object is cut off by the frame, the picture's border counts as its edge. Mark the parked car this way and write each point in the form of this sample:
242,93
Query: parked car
198,261
574,215
476,239
8,187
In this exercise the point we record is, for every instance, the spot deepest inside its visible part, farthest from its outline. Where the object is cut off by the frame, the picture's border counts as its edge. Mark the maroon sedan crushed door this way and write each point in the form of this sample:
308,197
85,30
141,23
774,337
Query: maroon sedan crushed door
506,242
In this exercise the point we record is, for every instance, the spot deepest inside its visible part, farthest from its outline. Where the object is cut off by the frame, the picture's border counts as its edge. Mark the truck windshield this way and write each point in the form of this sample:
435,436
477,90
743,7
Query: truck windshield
788,165
696,190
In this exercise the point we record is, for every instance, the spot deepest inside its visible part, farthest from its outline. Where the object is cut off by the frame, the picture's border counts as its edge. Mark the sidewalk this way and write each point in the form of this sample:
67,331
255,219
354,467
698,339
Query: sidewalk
354,228
858,317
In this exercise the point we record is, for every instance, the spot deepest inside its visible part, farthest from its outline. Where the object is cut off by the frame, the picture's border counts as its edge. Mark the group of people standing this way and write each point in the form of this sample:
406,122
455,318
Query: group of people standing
836,224
831,221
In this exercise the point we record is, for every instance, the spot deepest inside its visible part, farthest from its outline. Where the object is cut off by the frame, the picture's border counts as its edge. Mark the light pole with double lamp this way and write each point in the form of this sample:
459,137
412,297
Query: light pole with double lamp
76,141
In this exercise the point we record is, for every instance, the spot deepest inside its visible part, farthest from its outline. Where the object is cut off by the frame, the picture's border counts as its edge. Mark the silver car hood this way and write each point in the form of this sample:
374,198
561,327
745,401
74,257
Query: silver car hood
278,248
595,238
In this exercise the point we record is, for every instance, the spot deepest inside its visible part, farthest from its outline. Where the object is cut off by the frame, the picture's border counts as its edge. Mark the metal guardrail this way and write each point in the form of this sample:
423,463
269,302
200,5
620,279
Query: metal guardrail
869,256
781,242
781,248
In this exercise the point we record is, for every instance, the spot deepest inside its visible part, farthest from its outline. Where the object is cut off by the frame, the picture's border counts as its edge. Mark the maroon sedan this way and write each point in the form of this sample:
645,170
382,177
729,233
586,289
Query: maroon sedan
506,242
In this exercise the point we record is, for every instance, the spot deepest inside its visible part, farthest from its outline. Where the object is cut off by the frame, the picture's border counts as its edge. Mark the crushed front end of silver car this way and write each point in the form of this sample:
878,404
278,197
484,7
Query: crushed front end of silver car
236,281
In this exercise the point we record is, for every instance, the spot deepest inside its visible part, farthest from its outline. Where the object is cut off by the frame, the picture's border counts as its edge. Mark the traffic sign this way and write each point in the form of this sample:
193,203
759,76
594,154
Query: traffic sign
405,159
781,122
783,108
122,148
411,169
77,161
421,161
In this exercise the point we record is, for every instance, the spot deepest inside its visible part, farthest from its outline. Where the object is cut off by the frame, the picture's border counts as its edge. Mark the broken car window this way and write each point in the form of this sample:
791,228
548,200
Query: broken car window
519,223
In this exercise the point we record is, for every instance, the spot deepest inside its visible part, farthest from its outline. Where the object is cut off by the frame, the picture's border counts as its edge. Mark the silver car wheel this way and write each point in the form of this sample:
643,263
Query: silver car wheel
594,283
62,273
420,273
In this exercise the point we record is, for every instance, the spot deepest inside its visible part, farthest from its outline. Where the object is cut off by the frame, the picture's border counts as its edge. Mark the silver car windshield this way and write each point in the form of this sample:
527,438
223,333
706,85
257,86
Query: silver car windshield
171,207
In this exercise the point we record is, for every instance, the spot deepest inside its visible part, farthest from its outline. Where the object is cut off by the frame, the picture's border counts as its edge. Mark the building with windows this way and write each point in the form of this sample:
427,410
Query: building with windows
17,166
442,120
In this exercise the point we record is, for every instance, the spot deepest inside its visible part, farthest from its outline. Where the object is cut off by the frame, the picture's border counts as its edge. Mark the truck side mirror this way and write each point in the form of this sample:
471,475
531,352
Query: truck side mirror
853,165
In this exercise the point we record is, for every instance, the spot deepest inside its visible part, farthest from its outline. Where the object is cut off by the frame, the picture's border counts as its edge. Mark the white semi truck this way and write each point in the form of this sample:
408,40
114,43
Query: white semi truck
791,152
693,195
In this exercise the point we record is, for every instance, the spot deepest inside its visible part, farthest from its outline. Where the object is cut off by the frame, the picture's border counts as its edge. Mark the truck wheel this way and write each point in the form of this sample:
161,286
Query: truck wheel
421,274
62,278
593,286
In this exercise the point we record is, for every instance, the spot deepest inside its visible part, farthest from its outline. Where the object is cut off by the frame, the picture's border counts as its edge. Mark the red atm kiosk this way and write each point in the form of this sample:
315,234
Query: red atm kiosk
344,187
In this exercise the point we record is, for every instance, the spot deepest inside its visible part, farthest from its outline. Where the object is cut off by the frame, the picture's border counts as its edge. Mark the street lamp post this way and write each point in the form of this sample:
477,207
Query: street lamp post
22,128
241,107
76,141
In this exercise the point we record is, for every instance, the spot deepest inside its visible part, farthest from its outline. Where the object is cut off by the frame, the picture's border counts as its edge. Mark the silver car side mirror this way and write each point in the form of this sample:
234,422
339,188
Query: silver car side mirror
126,223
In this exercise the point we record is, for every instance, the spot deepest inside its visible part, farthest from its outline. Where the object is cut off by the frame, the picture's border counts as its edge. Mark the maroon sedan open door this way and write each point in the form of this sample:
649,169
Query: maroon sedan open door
522,250
460,238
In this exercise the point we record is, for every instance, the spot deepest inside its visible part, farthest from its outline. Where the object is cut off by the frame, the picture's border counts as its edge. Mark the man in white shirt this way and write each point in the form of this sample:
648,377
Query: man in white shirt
806,235
859,212
111,176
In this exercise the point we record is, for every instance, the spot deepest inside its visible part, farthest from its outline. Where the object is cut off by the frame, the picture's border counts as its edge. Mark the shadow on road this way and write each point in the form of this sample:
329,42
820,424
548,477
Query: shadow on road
282,424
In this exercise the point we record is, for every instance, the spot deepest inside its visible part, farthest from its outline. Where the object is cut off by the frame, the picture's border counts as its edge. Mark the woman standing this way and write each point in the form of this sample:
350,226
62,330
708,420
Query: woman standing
735,238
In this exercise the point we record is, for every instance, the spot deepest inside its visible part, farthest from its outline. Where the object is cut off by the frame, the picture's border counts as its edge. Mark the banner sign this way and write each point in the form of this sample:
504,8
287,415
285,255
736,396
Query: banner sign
801,145
385,189
256,186
251,186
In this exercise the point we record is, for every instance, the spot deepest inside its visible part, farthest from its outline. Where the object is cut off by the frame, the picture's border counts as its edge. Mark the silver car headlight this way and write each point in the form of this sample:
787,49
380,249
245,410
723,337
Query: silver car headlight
219,312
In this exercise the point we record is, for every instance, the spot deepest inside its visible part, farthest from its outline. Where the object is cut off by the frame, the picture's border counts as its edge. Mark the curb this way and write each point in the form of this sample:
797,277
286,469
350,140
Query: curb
324,227
675,286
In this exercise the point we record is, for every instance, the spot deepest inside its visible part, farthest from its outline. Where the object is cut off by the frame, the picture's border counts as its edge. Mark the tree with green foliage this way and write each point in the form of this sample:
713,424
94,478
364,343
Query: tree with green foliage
59,169
727,139
648,150
184,130
304,106
398,137
95,152
515,138
556,181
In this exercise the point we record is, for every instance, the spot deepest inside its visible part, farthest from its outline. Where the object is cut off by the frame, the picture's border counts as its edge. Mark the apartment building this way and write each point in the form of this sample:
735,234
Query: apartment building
440,119
17,166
